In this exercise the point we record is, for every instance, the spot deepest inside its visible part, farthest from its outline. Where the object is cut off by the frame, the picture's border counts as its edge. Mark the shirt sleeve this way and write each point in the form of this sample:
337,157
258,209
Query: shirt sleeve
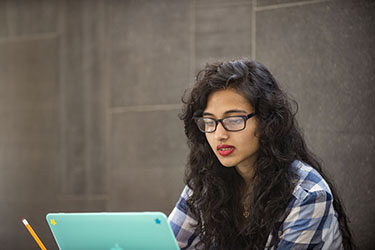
310,224
182,223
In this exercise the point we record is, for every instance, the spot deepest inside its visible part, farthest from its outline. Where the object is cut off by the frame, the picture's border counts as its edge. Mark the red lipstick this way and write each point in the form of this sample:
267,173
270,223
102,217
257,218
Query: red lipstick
225,150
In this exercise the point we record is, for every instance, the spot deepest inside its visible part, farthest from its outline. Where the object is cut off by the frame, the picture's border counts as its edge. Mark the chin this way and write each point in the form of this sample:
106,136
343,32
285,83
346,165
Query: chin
227,164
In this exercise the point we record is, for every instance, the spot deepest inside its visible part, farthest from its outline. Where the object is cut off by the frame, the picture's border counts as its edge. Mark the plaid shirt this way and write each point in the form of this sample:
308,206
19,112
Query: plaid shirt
310,222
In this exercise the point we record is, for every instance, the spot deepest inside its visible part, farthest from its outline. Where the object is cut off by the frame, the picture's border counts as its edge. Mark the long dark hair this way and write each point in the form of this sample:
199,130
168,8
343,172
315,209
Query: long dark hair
217,190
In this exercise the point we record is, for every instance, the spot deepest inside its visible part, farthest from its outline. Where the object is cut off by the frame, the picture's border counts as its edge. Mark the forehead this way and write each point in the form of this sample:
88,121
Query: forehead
223,100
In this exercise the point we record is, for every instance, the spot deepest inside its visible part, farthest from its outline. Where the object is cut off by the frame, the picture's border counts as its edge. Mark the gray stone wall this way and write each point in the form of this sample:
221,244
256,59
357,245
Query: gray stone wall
90,91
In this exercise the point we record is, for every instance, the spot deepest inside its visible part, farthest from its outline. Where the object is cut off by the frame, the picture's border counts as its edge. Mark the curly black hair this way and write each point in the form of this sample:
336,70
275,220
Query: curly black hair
217,193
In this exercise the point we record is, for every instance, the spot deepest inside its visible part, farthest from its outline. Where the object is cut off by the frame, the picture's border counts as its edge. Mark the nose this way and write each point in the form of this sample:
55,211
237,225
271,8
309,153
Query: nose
220,133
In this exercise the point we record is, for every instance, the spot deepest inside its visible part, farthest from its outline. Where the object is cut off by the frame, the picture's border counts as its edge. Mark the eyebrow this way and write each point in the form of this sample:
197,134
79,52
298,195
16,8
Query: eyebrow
228,112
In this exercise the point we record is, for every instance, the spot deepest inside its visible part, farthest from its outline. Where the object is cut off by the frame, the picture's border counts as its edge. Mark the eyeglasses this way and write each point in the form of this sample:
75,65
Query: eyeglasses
232,123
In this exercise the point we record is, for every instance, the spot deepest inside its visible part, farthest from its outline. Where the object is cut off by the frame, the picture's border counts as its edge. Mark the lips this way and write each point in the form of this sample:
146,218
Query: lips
225,150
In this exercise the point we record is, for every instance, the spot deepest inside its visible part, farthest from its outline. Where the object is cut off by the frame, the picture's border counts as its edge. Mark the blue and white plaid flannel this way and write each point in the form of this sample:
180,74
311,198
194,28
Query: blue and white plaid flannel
310,221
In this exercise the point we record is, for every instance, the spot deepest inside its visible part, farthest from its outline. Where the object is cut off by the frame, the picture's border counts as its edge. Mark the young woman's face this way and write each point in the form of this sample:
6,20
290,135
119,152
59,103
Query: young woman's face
239,149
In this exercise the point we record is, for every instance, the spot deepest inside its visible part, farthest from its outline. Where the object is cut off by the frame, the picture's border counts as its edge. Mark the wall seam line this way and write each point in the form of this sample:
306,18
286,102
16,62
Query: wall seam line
107,78
42,36
289,5
62,101
145,108
193,37
253,30
87,94
223,4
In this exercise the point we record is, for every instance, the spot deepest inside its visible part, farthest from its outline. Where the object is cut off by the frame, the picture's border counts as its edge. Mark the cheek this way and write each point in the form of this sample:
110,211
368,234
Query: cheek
250,141
209,139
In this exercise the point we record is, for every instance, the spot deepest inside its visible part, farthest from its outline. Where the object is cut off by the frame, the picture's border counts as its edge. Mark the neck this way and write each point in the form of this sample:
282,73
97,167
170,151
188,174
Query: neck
246,175
246,172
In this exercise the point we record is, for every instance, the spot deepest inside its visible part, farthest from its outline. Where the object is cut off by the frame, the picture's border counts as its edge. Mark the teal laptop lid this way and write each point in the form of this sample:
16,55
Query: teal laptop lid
112,231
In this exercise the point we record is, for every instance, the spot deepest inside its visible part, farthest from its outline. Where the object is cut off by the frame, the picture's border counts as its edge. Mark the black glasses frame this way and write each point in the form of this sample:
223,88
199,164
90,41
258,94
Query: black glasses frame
244,117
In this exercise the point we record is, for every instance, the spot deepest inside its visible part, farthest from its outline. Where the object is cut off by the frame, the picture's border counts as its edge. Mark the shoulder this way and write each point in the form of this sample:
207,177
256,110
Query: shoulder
308,181
310,219
183,223
181,205
311,205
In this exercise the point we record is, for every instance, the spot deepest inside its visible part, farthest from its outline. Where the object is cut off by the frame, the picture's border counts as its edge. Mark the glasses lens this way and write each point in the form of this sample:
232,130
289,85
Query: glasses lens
206,124
234,123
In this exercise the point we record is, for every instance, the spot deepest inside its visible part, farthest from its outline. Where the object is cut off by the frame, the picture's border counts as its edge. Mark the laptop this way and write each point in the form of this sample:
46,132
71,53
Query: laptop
112,231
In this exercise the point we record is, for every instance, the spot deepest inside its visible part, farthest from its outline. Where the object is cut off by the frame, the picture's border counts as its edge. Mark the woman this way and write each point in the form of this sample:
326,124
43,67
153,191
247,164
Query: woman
251,182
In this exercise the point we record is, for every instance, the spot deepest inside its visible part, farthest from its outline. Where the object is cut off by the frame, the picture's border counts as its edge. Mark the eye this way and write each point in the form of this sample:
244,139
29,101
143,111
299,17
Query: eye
234,120
209,122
